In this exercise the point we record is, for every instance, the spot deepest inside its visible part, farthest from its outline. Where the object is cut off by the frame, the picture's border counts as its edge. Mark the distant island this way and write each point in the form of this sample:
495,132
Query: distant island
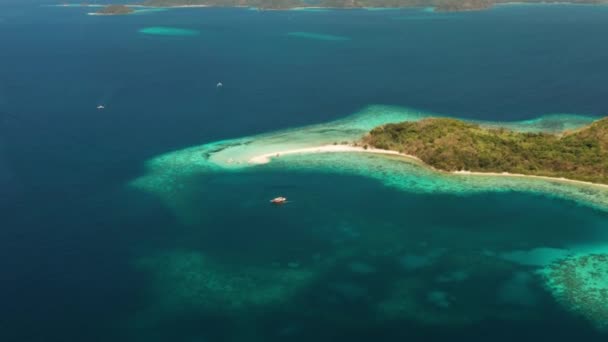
457,146
115,10
440,5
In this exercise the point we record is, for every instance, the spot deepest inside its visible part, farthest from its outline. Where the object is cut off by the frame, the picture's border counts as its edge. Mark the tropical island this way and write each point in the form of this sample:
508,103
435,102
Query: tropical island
457,146
440,5
115,10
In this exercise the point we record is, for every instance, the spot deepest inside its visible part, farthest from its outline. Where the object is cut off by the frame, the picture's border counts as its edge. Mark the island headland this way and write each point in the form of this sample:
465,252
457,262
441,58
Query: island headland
115,10
439,5
339,147
456,146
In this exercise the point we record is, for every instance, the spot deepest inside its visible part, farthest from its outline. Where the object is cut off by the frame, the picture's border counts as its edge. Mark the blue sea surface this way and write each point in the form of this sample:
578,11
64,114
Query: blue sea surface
85,257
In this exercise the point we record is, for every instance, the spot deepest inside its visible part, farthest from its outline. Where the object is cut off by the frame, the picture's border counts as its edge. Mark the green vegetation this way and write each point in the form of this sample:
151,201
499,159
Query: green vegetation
453,145
441,5
264,4
115,10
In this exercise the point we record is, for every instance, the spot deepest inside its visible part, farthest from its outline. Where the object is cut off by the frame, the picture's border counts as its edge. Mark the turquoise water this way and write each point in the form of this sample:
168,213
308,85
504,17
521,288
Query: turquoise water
169,31
168,174
316,10
149,11
317,36
145,221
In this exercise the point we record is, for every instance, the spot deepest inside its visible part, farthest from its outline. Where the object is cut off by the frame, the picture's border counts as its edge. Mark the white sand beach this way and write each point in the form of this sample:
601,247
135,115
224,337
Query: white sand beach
267,157
507,174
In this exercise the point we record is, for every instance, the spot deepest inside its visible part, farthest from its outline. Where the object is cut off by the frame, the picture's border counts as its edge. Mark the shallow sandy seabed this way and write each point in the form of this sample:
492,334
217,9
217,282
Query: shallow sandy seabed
167,175
168,31
317,36
194,279
457,299
579,282
189,279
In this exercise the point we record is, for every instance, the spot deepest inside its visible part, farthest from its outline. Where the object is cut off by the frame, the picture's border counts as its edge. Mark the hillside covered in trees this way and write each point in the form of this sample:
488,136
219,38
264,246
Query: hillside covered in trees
454,145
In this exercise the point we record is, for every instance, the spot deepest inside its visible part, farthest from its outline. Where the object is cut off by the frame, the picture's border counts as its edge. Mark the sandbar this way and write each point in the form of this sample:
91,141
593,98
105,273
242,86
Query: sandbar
267,158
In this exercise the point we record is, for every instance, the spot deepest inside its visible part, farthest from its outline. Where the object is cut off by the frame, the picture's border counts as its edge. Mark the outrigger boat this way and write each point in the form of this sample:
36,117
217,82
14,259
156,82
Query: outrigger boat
278,200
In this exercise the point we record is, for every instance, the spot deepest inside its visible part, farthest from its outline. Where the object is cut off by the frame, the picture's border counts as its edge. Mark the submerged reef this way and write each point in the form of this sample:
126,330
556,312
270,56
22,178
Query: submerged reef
432,300
298,149
189,279
428,285
580,283
168,31
576,276
441,5
317,36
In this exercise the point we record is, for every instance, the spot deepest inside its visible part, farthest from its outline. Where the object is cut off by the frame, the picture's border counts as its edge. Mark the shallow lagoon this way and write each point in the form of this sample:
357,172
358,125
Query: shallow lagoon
453,256
169,170
168,31
317,36
464,267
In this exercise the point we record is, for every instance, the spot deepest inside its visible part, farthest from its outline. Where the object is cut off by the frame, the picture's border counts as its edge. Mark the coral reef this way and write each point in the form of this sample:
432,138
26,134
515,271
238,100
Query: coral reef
170,174
190,280
580,283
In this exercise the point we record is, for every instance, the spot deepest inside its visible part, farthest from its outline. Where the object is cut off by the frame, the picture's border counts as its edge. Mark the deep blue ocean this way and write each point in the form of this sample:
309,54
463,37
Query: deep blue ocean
71,230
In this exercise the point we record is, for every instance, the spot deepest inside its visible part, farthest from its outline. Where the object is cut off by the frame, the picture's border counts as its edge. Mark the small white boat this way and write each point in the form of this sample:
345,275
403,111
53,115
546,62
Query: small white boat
278,200
219,85
101,107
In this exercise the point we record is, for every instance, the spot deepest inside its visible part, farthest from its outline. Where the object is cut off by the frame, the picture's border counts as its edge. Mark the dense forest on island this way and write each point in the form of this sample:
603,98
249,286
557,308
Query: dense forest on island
454,145
115,10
